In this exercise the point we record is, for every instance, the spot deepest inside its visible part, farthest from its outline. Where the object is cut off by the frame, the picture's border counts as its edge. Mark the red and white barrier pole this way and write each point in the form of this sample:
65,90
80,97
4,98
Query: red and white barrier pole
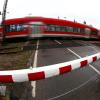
23,75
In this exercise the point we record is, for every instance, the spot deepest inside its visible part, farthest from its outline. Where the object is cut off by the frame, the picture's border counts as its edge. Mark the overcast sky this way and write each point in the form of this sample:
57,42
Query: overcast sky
80,10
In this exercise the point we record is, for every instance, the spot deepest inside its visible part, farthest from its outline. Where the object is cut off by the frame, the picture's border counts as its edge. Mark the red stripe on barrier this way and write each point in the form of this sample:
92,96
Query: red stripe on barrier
65,69
36,76
6,78
84,63
94,58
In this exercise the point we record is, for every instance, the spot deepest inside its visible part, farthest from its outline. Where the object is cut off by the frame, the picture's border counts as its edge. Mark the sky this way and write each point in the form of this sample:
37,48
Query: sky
80,10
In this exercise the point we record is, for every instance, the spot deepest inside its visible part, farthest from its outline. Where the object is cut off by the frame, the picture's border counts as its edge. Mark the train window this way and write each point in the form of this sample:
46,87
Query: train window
11,28
19,27
51,28
25,26
70,29
57,28
66,29
75,29
79,30
82,30
62,29
7,28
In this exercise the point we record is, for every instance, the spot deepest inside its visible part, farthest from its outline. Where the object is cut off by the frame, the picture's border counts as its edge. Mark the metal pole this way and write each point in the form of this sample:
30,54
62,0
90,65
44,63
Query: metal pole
3,19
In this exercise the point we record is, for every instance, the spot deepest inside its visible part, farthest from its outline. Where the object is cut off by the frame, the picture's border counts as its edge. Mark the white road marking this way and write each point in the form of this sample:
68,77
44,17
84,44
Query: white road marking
90,45
58,42
35,56
95,48
66,93
74,53
97,71
33,83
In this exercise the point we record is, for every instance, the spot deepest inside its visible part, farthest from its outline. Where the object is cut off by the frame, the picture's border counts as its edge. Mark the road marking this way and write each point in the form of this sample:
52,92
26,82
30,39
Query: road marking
74,53
66,93
57,42
35,56
33,83
90,45
94,48
96,70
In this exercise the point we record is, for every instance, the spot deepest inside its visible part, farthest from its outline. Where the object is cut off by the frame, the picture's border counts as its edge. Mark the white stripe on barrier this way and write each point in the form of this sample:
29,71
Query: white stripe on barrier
46,71
20,77
90,59
98,56
51,72
75,64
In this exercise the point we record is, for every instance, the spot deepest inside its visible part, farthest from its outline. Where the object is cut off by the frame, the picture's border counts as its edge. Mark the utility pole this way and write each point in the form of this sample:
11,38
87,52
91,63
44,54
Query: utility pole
3,20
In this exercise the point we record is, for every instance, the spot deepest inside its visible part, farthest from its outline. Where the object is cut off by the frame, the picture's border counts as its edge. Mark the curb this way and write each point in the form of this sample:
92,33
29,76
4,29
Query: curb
33,74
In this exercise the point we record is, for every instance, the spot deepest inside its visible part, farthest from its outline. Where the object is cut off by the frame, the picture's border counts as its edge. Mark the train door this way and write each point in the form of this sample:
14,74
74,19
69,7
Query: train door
36,30
87,32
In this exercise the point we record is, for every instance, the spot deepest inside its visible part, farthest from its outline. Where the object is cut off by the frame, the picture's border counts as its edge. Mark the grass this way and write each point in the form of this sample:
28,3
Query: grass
17,60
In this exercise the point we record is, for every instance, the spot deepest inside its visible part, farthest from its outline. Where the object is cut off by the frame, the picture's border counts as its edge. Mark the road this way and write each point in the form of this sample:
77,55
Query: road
79,84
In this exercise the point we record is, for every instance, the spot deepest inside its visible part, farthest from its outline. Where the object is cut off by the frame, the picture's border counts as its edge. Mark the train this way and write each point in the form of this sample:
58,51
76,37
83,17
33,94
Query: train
33,27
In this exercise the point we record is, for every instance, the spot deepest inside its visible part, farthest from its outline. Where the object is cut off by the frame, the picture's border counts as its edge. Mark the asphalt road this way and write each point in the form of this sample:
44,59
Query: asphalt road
79,84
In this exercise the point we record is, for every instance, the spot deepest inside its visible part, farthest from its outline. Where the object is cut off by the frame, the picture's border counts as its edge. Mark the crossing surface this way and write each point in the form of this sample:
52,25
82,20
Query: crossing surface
78,84
72,85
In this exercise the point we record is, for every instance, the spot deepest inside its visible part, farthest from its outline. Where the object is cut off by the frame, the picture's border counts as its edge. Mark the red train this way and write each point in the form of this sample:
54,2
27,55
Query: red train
40,27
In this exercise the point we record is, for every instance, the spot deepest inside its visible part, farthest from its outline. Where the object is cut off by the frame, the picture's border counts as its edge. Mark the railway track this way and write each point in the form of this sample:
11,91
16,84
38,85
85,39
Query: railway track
11,48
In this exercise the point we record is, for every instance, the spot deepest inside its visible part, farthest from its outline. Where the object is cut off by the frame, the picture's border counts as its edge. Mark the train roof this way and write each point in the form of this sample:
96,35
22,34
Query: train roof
51,21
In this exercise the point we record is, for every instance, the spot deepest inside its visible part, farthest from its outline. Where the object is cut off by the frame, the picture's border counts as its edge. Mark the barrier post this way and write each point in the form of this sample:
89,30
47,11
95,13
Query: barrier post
4,93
